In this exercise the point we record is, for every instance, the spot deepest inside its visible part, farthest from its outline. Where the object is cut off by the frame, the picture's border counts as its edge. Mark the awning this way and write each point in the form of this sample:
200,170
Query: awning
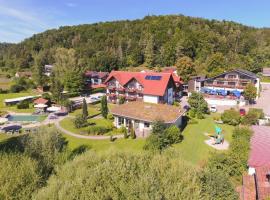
236,93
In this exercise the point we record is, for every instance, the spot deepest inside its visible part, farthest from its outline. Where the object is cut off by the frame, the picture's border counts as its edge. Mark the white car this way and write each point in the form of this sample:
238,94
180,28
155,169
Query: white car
213,108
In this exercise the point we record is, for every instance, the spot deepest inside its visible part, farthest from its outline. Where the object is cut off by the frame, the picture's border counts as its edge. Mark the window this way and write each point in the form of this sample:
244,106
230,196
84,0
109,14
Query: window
232,76
146,125
231,83
220,82
120,121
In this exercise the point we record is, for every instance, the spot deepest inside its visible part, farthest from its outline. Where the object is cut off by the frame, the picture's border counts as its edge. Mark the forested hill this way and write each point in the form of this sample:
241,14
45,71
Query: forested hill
152,41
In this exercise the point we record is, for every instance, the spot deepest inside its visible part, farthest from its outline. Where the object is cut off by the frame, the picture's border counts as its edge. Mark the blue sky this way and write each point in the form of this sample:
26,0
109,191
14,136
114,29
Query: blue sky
20,19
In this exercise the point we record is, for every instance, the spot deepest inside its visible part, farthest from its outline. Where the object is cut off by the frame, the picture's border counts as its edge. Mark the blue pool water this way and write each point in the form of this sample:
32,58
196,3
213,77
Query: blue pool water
23,118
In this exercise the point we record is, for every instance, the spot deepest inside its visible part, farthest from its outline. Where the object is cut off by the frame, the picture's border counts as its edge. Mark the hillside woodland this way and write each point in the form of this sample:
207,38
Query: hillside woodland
154,41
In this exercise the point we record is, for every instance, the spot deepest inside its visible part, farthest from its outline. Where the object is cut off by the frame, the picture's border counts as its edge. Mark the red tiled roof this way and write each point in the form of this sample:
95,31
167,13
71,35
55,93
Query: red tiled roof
263,186
248,190
151,87
40,101
260,147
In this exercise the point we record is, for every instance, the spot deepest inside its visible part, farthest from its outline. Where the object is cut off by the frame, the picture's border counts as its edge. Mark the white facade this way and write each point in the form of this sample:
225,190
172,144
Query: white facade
142,128
150,98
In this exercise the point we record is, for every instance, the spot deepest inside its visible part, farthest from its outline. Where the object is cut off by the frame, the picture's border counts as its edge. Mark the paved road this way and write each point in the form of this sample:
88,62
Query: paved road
90,137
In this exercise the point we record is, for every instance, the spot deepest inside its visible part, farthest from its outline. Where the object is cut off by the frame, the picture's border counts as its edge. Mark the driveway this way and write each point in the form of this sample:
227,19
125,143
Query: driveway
264,100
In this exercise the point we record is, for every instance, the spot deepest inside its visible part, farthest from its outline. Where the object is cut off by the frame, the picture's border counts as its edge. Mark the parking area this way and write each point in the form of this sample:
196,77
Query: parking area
264,100
93,98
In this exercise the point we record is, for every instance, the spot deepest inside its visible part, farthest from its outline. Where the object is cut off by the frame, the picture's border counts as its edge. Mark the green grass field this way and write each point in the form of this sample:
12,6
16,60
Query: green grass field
68,124
92,110
192,148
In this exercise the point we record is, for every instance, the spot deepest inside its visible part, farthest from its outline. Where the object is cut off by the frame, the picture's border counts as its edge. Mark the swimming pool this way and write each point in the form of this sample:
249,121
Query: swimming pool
23,118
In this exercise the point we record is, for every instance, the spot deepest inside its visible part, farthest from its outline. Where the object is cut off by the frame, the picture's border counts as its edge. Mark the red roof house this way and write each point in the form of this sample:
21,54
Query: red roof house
159,87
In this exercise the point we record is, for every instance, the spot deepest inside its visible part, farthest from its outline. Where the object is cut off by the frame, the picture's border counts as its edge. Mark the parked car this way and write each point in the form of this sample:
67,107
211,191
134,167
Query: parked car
242,112
213,108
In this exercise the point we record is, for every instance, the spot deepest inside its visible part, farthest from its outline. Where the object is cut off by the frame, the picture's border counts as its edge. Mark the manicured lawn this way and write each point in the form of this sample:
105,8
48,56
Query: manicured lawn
68,124
14,108
193,148
92,110
106,145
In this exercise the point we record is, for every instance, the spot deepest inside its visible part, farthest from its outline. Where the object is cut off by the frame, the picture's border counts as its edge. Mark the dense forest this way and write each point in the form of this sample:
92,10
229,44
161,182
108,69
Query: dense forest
154,41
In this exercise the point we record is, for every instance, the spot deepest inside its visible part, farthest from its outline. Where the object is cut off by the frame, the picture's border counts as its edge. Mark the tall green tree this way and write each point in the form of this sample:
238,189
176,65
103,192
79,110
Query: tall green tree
197,103
39,70
84,109
250,92
56,89
104,107
68,71
149,51
185,68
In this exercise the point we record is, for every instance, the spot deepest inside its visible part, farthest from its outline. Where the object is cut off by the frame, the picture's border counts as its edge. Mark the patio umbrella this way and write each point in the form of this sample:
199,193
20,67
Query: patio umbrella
223,92
53,109
236,93
40,106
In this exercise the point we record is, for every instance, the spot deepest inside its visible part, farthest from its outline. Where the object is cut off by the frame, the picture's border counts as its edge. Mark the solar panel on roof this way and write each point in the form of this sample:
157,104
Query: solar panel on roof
156,78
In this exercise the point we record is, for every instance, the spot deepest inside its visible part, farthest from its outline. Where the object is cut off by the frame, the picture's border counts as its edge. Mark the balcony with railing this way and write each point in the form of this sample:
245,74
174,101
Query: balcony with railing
224,86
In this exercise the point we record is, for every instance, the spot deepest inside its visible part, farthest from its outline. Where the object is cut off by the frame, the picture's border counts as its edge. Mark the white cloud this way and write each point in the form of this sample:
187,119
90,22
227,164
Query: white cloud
17,24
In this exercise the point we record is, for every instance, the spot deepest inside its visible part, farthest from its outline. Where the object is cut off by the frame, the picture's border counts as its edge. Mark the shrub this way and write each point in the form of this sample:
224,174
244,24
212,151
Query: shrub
45,147
110,116
123,131
162,137
216,185
173,134
259,112
192,112
250,119
117,176
98,130
16,88
121,100
175,103
19,176
23,104
231,117
199,115
132,133
80,121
